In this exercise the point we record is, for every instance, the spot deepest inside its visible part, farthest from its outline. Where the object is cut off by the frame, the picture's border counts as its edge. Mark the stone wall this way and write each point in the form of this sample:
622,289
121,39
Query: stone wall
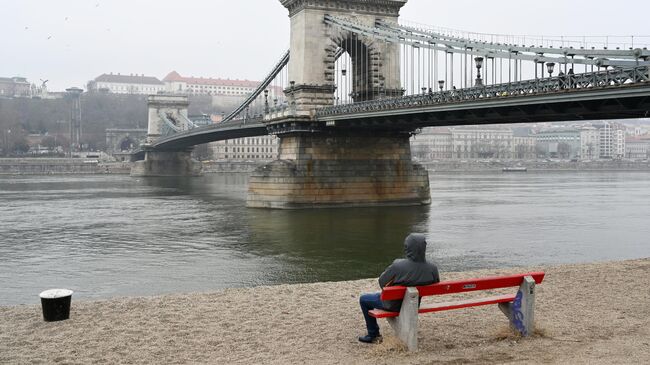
48,166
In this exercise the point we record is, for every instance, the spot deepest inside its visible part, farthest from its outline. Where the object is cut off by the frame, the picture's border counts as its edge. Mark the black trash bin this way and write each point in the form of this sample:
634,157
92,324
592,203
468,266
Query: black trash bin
56,304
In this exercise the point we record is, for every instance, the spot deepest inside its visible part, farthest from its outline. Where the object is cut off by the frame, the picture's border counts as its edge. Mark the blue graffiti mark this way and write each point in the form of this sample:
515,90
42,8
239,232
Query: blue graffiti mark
517,315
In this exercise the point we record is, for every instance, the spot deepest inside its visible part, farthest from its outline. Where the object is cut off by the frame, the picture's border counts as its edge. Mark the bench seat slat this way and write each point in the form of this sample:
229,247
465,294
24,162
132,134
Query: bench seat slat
462,286
438,307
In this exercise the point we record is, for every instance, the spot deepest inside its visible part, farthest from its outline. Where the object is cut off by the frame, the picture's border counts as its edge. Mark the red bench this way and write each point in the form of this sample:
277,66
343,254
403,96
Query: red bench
518,307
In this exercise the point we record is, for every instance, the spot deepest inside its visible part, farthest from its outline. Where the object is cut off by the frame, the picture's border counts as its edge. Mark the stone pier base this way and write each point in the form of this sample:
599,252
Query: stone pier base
319,170
164,163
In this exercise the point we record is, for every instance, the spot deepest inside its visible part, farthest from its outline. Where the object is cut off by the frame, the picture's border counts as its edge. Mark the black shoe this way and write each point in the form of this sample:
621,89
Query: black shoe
370,339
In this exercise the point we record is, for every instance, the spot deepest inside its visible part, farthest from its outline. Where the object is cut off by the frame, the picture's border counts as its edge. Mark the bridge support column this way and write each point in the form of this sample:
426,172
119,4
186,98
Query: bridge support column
340,169
167,163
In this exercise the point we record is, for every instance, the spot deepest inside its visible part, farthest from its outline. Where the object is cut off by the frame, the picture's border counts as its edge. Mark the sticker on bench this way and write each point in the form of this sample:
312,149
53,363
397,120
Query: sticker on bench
469,286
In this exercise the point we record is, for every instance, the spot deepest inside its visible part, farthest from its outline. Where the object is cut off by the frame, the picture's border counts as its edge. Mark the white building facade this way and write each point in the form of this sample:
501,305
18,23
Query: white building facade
611,140
128,84
559,142
432,144
262,148
637,148
589,143
482,142
175,83
524,147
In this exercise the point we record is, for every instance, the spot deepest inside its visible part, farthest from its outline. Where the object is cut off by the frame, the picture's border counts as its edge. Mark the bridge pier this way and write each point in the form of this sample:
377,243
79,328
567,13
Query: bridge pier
167,163
340,169
322,166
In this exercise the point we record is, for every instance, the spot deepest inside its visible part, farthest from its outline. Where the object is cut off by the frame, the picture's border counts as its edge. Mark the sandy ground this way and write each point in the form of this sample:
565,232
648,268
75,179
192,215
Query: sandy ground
586,314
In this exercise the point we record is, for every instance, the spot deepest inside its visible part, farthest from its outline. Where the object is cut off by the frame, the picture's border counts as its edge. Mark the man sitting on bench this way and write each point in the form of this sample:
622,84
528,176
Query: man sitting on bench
414,270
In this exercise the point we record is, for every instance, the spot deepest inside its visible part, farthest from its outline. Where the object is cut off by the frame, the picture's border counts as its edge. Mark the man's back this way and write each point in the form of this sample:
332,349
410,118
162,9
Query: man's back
414,270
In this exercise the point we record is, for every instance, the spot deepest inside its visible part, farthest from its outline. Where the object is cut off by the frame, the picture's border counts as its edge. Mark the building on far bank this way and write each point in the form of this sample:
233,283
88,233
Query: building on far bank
123,140
175,83
14,87
482,142
432,144
637,148
559,142
475,142
257,149
611,139
589,143
128,84
523,143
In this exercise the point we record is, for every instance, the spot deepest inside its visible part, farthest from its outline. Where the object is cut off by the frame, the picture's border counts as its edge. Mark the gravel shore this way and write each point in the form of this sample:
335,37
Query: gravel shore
586,314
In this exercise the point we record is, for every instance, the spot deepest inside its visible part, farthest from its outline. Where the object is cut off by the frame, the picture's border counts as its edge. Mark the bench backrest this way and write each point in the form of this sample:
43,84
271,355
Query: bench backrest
462,286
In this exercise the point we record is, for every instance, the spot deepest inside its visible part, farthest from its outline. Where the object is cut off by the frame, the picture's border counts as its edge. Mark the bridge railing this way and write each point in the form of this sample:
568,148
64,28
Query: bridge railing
557,84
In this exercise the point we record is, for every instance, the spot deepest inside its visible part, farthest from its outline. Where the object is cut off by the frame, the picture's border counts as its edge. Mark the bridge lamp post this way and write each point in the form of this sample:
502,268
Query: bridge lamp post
292,96
266,101
549,67
441,84
479,64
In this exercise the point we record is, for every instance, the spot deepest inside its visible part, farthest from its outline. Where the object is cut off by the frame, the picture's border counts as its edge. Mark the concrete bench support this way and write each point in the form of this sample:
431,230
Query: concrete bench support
521,311
406,324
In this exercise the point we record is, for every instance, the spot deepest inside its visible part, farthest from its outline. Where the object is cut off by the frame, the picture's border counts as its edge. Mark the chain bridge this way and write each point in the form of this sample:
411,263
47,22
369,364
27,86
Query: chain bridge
356,83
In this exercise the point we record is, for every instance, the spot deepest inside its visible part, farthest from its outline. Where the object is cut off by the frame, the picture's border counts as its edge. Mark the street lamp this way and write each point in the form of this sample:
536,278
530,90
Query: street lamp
549,68
479,64
292,97
441,84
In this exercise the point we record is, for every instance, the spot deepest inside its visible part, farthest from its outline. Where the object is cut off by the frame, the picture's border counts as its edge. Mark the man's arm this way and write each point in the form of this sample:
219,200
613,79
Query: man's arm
386,278
436,275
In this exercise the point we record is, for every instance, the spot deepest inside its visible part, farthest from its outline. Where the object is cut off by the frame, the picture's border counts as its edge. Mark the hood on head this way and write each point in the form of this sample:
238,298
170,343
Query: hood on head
415,247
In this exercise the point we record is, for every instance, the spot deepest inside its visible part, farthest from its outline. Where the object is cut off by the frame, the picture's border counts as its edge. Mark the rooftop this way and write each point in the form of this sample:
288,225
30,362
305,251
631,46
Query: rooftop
129,79
175,76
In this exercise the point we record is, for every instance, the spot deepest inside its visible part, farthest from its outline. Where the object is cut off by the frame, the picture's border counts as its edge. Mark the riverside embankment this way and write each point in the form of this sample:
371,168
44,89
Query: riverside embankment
60,166
65,166
595,313
536,165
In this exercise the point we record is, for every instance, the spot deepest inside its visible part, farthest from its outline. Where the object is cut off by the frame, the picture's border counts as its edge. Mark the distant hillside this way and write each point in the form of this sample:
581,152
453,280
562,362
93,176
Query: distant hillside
99,111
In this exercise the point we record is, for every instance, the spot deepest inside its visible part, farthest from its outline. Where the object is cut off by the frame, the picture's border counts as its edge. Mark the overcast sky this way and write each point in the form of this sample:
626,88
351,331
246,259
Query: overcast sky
72,41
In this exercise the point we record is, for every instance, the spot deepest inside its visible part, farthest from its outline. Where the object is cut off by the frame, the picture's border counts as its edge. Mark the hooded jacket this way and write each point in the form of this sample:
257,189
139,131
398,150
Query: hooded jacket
414,270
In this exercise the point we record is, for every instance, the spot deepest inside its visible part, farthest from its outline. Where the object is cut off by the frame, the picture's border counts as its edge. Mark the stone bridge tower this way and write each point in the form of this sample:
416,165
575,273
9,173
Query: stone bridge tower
166,112
323,165
315,45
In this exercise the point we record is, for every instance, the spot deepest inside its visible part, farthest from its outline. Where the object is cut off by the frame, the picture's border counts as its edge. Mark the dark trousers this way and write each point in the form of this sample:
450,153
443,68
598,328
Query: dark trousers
368,302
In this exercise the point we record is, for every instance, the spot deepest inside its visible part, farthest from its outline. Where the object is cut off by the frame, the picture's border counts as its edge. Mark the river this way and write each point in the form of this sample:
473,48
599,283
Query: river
112,235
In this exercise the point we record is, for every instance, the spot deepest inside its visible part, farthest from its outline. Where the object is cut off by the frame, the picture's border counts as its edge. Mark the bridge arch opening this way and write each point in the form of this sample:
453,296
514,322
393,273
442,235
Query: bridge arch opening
127,144
355,63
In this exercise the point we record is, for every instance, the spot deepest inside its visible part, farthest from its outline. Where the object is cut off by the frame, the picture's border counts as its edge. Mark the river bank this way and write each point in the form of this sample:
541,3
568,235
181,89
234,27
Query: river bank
586,314
535,165
61,166
67,166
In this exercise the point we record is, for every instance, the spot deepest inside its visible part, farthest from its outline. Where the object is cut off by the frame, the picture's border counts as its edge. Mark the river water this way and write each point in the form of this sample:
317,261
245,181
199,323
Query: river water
113,235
